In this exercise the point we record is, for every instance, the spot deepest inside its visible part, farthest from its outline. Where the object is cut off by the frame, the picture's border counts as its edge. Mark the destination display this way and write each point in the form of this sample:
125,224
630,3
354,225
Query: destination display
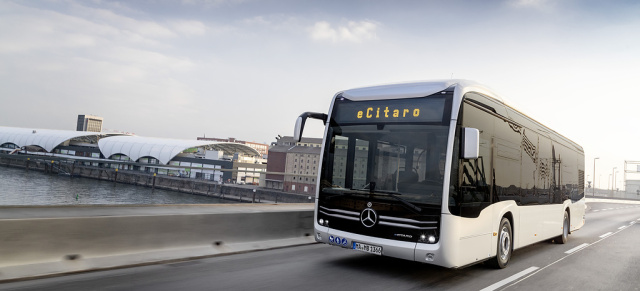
426,109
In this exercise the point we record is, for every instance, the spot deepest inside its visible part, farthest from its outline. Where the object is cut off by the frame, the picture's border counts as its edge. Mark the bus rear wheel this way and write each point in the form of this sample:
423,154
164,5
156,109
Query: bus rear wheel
505,245
562,239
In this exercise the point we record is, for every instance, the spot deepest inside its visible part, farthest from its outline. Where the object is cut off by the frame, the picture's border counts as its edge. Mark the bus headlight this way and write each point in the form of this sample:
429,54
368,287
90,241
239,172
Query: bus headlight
321,221
427,238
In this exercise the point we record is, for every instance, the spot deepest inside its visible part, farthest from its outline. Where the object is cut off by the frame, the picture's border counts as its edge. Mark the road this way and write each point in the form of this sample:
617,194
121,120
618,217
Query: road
603,255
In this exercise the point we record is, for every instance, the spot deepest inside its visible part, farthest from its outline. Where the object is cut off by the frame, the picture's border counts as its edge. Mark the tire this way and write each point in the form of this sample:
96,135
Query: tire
562,239
504,245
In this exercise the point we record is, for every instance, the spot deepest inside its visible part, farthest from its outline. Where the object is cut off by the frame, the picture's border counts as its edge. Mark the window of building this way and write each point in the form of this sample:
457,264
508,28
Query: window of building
293,187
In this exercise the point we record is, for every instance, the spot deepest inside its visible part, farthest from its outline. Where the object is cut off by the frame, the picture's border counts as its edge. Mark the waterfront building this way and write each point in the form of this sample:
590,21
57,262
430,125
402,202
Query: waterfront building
299,159
262,148
173,157
89,123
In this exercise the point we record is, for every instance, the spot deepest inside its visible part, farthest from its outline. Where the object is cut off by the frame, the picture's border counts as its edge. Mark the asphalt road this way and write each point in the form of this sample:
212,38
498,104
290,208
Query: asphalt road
603,255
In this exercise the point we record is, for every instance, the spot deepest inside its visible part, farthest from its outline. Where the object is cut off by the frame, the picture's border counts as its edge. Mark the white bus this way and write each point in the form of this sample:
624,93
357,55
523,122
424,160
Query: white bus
442,172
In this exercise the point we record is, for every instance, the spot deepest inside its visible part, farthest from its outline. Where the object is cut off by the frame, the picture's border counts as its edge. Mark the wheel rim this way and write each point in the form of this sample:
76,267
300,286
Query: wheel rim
565,231
505,243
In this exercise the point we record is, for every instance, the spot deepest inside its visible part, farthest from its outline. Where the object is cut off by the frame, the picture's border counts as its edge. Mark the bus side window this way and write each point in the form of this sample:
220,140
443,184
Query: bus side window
507,160
473,187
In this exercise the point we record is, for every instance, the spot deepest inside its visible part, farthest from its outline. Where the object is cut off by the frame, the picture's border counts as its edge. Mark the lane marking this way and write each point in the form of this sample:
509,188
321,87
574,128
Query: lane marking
606,234
538,270
622,227
577,248
509,280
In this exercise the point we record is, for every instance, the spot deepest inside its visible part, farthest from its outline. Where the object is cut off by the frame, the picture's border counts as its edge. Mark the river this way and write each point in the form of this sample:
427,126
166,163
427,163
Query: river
23,187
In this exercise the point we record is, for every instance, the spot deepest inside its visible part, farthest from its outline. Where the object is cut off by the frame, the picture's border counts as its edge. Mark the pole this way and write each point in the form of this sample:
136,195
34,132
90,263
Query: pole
594,176
613,176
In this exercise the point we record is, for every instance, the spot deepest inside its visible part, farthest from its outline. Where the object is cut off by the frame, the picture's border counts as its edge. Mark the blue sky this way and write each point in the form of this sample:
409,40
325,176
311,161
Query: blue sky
247,69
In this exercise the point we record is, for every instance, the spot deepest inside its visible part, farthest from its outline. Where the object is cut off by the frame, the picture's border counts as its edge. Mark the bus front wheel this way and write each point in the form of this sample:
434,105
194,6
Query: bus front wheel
505,245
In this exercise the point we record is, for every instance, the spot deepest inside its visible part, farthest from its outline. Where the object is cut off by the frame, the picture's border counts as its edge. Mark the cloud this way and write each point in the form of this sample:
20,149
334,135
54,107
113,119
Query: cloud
355,32
189,27
536,4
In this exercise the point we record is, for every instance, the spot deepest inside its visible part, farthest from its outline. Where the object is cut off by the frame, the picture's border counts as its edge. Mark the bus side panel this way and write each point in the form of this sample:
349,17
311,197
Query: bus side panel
540,222
466,240
577,210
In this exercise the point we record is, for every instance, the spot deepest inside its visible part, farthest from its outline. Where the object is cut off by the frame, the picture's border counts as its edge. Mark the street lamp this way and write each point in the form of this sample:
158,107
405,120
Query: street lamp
613,176
615,183
594,176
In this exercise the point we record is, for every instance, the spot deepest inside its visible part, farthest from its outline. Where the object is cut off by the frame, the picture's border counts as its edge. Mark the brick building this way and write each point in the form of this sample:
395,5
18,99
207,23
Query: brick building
299,160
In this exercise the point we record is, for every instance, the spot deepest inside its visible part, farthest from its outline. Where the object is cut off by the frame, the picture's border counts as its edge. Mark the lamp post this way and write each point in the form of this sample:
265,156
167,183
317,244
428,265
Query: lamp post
613,176
594,176
615,183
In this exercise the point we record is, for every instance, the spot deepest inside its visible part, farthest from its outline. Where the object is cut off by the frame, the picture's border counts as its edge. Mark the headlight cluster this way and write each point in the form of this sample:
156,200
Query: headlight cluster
323,222
427,239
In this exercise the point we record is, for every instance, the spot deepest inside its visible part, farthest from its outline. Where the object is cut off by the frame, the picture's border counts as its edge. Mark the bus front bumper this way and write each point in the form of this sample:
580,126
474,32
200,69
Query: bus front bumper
420,252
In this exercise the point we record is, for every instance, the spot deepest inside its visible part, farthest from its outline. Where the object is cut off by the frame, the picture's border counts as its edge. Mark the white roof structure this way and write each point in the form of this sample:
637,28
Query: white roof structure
48,139
136,147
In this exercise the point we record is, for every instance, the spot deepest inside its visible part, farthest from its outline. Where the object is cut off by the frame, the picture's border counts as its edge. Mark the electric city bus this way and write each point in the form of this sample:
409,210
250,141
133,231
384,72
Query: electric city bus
442,172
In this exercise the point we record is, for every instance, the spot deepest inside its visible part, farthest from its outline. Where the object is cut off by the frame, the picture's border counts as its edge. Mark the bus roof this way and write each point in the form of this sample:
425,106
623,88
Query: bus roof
409,89
425,88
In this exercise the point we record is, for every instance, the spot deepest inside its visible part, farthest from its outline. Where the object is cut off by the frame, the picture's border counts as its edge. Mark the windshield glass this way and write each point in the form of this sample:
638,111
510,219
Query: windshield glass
366,154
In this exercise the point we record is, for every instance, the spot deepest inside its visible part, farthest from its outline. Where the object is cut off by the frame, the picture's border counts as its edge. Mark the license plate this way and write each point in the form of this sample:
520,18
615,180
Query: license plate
376,250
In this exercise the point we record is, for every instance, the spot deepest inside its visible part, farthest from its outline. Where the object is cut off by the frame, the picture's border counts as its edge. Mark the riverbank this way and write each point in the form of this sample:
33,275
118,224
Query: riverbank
232,192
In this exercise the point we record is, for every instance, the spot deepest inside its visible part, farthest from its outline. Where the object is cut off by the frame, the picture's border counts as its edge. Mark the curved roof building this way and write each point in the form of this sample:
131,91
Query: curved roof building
48,139
135,147
163,149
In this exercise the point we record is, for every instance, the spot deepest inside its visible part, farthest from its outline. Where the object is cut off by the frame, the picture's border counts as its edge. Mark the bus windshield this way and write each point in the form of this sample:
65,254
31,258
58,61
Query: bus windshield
402,158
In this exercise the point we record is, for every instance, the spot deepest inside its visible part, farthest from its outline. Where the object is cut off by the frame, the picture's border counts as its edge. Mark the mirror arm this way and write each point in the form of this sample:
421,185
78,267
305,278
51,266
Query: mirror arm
302,119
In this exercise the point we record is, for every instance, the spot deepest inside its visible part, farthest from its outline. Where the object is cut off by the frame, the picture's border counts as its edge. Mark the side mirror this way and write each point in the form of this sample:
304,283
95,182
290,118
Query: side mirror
297,131
470,143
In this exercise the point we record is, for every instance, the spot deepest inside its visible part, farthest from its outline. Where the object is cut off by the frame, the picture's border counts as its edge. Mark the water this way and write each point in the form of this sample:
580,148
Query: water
22,187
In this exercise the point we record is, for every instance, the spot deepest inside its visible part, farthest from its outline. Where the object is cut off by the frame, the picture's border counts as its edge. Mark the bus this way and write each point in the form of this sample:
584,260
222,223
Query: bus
442,172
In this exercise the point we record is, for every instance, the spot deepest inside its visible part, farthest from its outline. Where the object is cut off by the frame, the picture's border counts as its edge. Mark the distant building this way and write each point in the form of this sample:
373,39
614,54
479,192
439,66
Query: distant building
89,123
300,160
262,148
632,188
204,160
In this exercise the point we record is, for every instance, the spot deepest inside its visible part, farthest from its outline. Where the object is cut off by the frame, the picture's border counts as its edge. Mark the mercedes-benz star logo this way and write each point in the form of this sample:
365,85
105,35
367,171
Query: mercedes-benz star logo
368,217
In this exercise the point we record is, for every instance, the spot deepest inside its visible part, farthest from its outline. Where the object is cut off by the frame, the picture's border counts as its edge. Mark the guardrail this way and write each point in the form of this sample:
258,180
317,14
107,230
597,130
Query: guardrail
76,240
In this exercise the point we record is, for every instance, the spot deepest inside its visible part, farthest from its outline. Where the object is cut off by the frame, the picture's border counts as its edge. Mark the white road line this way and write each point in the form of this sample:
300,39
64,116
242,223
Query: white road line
622,227
596,210
576,248
509,280
606,234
